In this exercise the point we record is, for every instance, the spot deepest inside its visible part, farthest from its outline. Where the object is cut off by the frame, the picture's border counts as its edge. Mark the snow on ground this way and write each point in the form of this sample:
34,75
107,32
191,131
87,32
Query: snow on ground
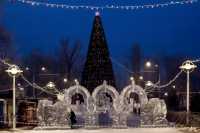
132,130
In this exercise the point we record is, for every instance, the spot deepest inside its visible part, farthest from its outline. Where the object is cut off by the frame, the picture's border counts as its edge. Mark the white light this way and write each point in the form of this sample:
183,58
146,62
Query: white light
188,65
21,88
166,94
131,78
97,13
120,7
173,86
148,64
43,68
149,83
13,70
141,78
27,68
76,81
51,85
65,80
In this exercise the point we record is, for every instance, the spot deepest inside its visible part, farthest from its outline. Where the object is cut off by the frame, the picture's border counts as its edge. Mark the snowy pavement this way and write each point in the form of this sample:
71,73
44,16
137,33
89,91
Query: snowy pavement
132,130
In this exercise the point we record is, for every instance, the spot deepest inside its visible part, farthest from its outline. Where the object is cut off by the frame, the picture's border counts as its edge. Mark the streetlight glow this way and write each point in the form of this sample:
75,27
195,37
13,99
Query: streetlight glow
149,83
76,81
141,78
43,68
131,78
148,64
27,68
14,70
188,65
21,88
51,85
65,80
166,94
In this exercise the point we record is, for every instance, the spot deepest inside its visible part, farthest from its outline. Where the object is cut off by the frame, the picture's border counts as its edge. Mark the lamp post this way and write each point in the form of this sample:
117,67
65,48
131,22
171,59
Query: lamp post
14,71
156,68
51,85
188,66
149,84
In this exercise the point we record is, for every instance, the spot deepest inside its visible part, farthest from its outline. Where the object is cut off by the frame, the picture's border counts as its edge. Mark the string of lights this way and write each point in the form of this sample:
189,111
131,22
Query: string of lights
196,61
170,82
5,90
154,85
118,7
36,86
5,62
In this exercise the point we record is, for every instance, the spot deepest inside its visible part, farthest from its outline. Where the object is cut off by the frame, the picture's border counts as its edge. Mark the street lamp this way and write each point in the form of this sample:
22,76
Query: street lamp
131,78
173,86
14,71
43,69
188,66
148,64
166,94
149,84
27,68
76,81
65,80
141,77
51,85
132,81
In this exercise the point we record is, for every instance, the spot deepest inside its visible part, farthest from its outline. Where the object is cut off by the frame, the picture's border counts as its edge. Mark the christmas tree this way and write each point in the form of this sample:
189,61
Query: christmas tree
98,66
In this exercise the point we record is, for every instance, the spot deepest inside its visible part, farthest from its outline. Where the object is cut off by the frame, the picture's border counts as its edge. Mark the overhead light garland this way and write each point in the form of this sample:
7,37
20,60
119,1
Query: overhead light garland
117,7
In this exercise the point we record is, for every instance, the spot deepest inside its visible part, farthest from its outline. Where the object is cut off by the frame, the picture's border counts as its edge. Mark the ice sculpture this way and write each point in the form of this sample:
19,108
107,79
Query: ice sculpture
106,100
105,107
154,113
50,114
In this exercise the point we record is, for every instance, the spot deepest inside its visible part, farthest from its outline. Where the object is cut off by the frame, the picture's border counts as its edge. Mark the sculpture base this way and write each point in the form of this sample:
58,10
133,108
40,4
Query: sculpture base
52,127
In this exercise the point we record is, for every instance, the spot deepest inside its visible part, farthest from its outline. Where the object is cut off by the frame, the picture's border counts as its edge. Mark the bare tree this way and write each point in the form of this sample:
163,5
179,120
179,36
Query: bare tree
69,59
5,43
136,61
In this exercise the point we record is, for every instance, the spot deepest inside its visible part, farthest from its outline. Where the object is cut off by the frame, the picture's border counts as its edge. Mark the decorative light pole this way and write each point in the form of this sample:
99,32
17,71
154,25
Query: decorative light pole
188,66
14,71
51,85
149,84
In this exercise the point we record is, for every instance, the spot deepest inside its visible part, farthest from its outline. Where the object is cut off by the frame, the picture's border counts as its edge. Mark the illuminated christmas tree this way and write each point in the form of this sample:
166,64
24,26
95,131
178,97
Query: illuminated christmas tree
98,66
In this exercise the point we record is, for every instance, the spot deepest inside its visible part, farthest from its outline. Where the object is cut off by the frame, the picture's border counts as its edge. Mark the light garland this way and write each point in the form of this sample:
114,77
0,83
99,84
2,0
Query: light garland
154,85
196,61
118,7
6,90
36,86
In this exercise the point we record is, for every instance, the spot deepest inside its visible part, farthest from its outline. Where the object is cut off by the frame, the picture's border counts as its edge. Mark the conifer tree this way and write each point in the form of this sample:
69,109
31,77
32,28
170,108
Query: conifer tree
98,66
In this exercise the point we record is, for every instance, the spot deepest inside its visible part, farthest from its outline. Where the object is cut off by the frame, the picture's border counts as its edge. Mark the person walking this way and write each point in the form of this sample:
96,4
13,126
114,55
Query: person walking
72,119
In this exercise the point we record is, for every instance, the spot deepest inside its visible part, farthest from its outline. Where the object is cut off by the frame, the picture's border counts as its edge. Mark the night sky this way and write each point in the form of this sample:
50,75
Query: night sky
172,30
